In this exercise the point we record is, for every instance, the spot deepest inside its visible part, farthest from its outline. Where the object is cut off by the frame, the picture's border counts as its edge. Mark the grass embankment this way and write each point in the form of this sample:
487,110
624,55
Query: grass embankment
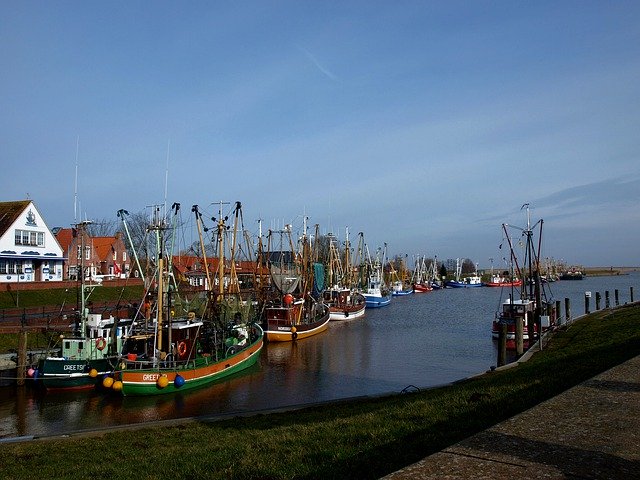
66,296
355,439
54,299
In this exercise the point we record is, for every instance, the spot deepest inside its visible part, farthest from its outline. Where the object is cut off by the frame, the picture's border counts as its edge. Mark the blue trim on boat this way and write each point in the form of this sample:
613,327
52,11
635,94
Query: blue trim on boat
376,301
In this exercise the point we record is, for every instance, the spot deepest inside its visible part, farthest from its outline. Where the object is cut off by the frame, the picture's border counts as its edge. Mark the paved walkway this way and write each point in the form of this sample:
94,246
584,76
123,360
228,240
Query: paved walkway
591,431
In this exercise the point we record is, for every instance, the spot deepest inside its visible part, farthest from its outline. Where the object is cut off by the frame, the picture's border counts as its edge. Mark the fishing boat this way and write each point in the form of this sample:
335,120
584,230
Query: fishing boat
420,278
400,287
534,312
92,351
182,350
345,304
295,310
373,287
464,282
344,301
422,287
512,312
503,281
573,273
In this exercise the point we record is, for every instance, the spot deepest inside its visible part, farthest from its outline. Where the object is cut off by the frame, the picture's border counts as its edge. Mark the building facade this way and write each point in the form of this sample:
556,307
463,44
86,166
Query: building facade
29,252
101,257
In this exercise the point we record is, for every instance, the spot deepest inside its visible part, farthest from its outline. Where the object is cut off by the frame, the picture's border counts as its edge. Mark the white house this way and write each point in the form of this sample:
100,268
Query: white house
29,252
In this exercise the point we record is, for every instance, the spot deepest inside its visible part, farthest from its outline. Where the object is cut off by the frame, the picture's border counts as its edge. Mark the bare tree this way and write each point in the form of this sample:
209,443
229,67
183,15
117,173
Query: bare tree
468,266
102,228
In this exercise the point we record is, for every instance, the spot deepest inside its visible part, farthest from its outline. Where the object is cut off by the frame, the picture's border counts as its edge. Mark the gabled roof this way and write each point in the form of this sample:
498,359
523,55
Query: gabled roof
189,263
9,213
65,238
103,246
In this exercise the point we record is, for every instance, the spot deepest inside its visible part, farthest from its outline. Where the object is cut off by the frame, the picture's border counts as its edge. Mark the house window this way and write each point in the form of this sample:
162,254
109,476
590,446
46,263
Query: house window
79,253
124,256
30,238
115,256
10,267
87,252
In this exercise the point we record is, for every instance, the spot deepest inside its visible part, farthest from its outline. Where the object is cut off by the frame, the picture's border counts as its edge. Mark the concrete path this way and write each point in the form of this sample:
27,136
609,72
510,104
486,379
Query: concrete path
591,431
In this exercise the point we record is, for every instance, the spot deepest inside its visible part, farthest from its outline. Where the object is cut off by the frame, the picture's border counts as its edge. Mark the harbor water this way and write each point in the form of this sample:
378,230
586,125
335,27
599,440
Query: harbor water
419,341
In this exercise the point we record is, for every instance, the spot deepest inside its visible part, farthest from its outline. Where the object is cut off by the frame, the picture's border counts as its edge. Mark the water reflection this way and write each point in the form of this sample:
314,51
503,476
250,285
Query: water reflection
422,340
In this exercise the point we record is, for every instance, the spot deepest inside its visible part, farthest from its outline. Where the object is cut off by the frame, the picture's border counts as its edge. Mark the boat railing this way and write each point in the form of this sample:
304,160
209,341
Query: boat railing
168,362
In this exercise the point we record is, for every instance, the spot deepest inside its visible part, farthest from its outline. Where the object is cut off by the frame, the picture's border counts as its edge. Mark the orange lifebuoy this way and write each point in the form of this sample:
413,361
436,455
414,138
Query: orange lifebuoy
182,349
101,343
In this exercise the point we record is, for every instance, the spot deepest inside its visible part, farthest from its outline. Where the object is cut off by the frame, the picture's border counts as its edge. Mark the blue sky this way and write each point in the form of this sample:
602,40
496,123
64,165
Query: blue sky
425,125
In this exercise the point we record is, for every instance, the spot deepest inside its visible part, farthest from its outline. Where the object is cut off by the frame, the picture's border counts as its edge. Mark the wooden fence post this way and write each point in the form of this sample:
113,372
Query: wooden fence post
502,344
587,296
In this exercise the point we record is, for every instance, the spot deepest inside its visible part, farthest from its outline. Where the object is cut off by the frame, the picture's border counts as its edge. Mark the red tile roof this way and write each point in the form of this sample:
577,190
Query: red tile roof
65,238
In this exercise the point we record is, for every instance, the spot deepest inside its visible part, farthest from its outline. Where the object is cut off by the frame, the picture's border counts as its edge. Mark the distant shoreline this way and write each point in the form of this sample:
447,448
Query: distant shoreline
606,271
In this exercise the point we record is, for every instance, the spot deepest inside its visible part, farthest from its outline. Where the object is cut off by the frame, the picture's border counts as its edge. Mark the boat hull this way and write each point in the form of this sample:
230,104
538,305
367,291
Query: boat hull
289,332
400,293
57,373
376,301
454,284
345,304
347,312
422,288
504,284
510,338
196,373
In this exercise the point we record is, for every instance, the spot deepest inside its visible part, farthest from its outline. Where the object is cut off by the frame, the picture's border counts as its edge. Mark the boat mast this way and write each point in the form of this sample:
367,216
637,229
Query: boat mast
82,227
234,286
198,215
347,260
121,213
158,226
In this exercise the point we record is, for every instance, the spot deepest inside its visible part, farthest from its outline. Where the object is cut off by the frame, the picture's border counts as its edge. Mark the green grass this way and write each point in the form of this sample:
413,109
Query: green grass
341,440
35,341
67,296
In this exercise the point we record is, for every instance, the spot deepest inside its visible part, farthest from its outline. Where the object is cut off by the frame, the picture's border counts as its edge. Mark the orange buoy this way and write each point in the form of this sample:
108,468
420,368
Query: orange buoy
162,381
107,382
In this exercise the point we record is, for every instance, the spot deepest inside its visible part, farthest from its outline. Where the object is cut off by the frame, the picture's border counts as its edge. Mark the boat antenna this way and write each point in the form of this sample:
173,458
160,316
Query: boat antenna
75,186
166,177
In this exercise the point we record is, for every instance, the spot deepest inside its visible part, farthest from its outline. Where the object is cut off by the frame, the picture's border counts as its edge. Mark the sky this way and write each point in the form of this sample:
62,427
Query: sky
425,125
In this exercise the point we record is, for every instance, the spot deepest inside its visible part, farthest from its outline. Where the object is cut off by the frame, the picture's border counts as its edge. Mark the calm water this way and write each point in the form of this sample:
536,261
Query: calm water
420,340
